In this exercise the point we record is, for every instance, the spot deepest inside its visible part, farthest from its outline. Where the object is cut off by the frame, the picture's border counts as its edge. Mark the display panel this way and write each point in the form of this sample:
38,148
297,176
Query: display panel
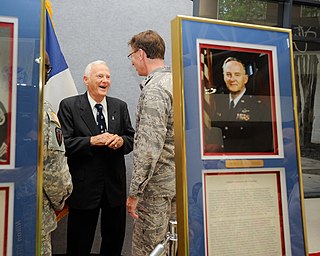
202,78
20,28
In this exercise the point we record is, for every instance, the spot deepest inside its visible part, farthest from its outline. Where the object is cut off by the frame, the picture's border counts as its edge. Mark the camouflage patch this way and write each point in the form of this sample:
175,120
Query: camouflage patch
152,226
46,248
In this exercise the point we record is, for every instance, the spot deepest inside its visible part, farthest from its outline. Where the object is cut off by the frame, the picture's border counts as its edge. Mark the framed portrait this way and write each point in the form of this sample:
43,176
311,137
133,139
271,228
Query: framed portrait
8,74
236,135
6,217
252,127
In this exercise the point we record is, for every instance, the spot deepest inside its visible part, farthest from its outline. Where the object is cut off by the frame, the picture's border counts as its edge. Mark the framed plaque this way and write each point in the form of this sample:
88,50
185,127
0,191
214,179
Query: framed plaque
247,207
236,138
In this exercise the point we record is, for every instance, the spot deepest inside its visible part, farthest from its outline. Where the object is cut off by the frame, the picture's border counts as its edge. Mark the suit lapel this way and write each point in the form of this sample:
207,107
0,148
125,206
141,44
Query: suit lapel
112,115
86,114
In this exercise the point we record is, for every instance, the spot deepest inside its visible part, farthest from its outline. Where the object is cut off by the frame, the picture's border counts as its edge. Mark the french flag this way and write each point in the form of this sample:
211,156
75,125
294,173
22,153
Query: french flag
60,84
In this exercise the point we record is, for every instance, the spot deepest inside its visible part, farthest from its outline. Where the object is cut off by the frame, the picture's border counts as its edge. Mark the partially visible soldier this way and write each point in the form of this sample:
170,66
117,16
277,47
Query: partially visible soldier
57,184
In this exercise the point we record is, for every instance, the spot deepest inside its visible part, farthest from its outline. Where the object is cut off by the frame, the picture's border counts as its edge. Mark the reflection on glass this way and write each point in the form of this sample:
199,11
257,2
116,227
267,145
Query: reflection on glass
306,30
261,12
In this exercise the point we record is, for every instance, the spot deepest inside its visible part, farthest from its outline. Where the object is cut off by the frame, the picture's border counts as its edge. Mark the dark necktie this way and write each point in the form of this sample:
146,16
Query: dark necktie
232,104
101,122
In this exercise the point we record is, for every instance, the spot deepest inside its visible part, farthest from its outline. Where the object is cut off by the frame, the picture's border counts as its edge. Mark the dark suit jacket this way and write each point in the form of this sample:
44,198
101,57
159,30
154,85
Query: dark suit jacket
96,171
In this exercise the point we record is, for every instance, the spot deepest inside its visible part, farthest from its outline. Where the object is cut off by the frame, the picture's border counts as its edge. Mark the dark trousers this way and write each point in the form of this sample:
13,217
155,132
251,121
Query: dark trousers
82,225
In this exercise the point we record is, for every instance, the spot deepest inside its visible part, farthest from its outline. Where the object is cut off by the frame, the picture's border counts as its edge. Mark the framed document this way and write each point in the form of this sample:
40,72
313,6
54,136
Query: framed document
246,207
236,139
8,71
6,217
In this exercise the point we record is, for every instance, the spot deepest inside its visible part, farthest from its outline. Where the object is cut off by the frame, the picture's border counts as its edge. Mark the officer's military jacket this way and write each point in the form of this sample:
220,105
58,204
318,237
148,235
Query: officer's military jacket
245,128
153,150
57,184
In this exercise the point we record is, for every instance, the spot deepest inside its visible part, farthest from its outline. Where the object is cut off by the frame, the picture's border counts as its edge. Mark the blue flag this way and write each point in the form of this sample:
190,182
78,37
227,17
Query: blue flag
60,84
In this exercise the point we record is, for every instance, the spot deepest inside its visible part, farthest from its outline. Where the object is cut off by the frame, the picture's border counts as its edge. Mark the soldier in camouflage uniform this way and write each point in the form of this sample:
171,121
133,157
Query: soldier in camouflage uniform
151,200
57,185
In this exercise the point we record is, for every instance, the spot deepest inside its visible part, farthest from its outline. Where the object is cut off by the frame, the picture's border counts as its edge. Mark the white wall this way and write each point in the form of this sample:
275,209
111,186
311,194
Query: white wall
101,29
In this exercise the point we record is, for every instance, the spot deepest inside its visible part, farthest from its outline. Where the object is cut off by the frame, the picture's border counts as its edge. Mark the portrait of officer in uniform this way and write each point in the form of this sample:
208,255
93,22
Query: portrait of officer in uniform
242,122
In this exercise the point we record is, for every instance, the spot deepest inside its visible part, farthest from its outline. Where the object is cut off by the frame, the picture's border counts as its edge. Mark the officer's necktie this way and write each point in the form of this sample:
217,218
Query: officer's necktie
101,122
232,104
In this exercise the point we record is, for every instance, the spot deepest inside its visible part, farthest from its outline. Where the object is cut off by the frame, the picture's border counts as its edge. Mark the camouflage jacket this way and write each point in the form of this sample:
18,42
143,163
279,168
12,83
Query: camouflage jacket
57,184
153,150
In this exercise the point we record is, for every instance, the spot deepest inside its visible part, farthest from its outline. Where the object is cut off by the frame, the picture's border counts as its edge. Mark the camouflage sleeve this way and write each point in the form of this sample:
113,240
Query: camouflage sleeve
57,184
152,113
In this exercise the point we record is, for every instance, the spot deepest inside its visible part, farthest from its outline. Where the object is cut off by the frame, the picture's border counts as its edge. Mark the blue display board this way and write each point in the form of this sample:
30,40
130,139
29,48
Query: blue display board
19,94
239,189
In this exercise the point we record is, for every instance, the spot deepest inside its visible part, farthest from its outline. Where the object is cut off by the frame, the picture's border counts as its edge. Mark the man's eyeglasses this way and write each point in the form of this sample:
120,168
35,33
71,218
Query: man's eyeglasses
48,68
130,55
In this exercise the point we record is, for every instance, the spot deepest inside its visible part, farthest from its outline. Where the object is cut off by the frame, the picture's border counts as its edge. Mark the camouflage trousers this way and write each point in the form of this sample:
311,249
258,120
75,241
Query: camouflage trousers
151,227
46,249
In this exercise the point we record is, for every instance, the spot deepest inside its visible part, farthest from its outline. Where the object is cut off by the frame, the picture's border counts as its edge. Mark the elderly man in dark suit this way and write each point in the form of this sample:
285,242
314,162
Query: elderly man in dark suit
244,120
98,133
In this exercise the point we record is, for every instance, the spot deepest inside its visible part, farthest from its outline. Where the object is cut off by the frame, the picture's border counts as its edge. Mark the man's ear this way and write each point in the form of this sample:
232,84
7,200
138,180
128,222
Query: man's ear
86,80
142,54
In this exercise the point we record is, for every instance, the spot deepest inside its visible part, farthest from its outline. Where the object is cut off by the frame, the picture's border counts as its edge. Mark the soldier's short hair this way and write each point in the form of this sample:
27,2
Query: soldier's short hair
150,42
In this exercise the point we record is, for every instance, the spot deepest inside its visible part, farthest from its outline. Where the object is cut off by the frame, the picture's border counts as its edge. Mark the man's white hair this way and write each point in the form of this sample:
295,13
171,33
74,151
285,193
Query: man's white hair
89,66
